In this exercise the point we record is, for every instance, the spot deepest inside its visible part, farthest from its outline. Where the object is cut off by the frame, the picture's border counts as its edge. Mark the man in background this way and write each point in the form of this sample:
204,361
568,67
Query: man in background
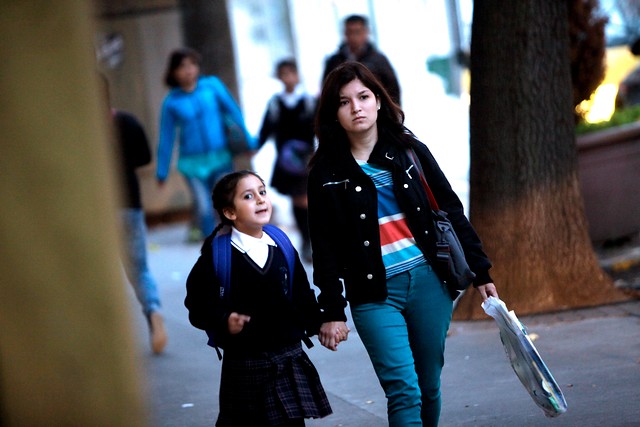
357,47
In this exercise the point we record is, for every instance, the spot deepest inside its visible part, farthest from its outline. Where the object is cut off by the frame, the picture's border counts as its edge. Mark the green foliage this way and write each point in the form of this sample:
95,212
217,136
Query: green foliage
587,43
620,117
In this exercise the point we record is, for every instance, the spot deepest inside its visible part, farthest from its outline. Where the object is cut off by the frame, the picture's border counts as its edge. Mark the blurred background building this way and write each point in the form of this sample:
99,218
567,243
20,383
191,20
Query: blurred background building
135,38
427,42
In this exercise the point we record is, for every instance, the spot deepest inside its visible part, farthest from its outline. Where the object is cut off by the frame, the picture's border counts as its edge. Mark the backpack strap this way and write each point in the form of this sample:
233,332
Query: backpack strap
221,253
221,249
274,108
283,242
222,262
212,342
222,257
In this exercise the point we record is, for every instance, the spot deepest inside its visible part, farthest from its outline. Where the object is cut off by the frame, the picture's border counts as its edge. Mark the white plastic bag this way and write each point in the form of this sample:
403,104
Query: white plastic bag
525,360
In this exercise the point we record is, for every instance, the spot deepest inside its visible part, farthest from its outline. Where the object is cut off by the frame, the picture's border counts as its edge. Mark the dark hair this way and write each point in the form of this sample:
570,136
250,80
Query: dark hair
286,63
224,191
356,19
175,59
331,135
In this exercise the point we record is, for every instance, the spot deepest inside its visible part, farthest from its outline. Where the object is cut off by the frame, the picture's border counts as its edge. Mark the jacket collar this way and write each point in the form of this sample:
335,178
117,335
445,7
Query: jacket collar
385,154
341,162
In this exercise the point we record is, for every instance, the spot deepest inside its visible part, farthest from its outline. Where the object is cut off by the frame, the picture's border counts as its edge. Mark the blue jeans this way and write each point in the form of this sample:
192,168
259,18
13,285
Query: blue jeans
135,259
201,189
405,338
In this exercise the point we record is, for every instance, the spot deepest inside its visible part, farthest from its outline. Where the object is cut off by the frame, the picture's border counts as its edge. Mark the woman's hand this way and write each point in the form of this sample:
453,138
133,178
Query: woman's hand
487,290
236,322
333,333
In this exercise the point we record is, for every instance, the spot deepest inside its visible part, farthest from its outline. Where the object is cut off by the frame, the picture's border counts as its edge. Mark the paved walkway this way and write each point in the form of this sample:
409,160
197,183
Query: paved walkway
594,355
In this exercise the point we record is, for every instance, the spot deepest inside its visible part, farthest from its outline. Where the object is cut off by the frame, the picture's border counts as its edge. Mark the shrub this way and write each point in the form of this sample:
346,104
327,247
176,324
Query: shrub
620,117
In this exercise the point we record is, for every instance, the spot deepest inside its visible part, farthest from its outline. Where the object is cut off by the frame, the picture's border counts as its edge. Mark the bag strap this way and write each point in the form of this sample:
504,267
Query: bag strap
222,257
283,242
222,261
416,163
222,267
443,249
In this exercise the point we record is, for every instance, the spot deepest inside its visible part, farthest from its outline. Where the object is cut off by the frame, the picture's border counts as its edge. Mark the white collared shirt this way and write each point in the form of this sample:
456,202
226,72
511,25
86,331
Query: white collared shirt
290,100
257,249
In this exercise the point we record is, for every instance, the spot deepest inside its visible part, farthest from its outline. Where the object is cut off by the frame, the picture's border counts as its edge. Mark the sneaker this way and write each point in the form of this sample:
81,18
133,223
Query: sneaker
157,332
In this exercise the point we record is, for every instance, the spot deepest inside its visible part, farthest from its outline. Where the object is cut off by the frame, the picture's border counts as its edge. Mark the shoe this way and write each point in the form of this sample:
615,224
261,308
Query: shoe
157,332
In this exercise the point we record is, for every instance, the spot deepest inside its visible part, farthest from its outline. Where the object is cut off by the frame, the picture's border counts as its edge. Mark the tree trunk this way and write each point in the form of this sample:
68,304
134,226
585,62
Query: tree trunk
524,191
207,30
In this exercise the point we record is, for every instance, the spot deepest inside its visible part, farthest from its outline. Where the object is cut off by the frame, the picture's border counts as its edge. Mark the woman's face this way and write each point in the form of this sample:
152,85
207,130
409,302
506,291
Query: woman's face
187,73
357,108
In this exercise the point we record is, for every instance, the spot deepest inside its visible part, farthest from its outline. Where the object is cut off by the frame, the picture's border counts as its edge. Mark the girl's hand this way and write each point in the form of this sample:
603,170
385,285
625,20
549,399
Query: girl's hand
488,290
333,333
236,322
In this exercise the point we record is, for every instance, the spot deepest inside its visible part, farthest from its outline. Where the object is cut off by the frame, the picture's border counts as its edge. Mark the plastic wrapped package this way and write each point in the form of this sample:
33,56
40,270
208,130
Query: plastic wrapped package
525,360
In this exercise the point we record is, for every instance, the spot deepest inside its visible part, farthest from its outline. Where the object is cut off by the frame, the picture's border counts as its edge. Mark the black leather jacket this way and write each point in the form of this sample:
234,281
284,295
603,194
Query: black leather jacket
343,220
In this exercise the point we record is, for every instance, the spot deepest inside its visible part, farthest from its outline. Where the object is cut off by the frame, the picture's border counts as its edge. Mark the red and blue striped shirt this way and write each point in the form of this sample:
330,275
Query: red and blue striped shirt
399,250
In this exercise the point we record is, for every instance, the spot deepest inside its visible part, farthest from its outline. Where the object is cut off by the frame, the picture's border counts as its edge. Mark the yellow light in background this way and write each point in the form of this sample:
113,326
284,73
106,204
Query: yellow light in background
603,103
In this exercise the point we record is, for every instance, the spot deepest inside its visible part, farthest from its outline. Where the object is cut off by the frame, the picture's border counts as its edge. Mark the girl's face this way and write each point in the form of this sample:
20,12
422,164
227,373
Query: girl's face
251,206
187,73
289,77
357,108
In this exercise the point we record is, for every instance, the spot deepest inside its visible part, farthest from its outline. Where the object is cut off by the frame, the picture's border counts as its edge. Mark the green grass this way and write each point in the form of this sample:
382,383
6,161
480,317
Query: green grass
620,117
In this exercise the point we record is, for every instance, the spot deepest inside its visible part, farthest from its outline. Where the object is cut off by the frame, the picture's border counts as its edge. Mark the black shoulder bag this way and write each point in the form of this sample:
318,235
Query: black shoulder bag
449,250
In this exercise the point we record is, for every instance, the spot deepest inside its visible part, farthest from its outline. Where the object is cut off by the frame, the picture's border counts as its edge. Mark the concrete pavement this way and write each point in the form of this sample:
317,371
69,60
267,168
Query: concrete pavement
594,355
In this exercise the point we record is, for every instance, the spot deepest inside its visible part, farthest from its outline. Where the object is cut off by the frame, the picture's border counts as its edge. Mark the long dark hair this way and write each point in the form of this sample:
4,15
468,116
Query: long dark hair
223,193
331,135
175,59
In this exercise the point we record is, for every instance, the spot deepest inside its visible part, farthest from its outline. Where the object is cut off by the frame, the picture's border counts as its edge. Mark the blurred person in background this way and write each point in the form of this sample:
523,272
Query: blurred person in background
195,107
134,152
289,120
357,47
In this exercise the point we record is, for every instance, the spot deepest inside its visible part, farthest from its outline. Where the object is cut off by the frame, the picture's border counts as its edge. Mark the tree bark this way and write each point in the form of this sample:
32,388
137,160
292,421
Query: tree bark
525,199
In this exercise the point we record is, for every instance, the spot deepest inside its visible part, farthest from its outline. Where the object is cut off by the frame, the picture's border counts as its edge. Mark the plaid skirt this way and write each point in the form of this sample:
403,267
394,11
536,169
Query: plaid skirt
269,389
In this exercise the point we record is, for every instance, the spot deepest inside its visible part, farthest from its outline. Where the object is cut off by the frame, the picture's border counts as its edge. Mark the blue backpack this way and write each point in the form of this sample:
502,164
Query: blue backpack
221,246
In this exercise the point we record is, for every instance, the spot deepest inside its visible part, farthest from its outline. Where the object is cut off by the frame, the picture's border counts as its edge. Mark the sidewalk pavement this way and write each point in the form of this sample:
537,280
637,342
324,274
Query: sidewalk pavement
594,355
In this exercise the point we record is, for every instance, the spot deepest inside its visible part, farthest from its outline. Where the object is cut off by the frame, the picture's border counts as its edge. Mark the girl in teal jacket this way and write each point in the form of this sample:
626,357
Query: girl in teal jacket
195,107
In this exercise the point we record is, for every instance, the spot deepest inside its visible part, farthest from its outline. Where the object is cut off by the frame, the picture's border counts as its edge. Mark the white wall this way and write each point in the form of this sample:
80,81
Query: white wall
407,31
265,31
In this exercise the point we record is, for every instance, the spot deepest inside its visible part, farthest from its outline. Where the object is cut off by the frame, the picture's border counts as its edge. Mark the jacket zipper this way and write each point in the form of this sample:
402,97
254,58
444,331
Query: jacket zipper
345,181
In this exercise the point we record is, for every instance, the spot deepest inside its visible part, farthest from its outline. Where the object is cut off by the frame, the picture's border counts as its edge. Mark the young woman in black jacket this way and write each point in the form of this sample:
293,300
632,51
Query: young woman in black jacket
372,230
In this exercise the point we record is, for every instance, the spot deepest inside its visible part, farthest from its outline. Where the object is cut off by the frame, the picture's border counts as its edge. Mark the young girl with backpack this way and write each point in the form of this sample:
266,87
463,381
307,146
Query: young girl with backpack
249,291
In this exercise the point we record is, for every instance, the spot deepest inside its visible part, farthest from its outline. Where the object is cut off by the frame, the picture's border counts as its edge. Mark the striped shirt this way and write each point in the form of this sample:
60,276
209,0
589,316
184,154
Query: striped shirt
399,250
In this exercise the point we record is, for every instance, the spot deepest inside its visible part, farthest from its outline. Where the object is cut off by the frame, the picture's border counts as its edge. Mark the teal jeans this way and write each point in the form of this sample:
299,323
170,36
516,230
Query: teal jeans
405,337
